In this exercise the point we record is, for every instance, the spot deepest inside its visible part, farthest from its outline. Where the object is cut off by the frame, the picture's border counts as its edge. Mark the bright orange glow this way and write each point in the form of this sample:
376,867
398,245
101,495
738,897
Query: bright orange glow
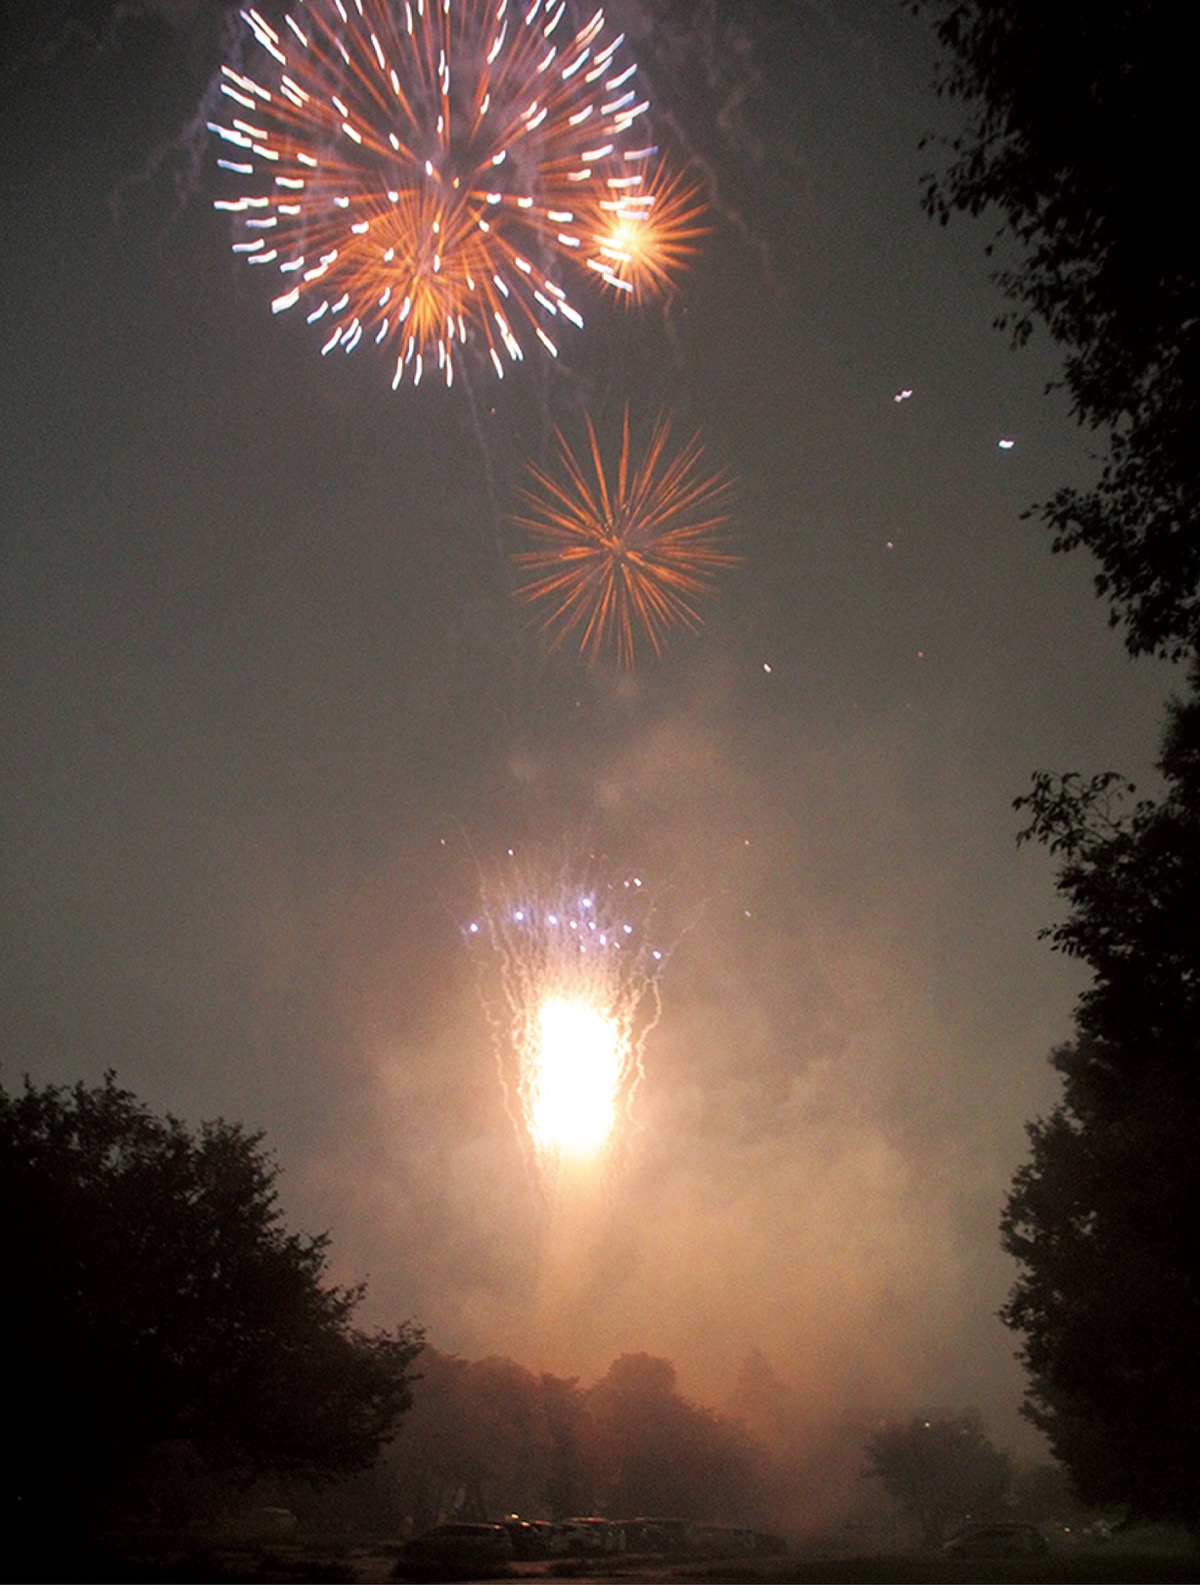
627,551
577,1074
643,238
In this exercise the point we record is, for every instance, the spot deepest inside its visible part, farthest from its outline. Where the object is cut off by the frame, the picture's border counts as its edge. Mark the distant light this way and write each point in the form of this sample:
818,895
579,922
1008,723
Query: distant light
1006,445
766,666
902,396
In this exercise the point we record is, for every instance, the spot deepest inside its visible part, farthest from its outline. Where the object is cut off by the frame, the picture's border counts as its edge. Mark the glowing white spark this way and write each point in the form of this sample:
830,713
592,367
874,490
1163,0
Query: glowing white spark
576,1077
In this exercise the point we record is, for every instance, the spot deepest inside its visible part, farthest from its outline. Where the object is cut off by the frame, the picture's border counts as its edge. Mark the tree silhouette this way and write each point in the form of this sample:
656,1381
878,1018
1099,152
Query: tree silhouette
1102,1217
486,1438
664,1456
942,1470
155,1297
1081,137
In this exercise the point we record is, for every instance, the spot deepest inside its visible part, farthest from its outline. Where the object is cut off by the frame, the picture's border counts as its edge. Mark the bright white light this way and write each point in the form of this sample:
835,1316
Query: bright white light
572,993
576,1079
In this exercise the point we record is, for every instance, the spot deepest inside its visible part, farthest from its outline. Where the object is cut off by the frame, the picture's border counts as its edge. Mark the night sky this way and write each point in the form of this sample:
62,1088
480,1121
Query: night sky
271,712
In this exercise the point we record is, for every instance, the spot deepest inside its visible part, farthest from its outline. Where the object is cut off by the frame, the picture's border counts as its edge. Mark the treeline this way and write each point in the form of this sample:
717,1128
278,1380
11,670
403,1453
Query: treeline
175,1359
487,1438
173,1351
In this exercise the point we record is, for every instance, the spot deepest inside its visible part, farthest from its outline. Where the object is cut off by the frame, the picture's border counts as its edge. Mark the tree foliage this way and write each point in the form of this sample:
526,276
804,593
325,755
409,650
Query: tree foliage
1081,138
942,1471
487,1437
1102,1216
155,1297
662,1454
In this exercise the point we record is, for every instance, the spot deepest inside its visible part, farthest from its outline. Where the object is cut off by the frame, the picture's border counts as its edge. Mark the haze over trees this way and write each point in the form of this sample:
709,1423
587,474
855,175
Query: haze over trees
155,1299
189,1359
488,1437
1080,136
662,1454
942,1470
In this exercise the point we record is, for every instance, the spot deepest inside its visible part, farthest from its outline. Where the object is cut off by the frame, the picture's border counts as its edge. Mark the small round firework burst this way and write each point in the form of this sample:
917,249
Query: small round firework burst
623,551
641,240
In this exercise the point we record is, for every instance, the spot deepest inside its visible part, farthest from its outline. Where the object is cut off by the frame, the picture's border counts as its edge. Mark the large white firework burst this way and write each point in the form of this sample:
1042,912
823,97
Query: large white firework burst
425,174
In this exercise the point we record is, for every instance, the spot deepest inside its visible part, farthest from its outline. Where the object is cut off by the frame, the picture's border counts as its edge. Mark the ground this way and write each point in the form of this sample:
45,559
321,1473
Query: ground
297,1561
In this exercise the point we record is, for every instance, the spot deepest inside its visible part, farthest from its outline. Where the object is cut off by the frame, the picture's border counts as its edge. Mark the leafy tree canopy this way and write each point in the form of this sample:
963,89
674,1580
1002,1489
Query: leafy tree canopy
665,1455
155,1296
1081,136
942,1470
1102,1216
487,1437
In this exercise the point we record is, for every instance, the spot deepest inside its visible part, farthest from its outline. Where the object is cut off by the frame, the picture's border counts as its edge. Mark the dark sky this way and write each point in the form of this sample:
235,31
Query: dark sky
270,710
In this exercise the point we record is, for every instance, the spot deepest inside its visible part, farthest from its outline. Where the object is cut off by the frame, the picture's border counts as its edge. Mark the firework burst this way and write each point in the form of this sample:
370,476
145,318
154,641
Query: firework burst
642,240
577,995
418,171
623,551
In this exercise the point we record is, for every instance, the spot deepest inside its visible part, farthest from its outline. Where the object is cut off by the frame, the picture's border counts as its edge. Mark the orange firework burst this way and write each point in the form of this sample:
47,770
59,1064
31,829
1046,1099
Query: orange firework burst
624,554
645,233
415,170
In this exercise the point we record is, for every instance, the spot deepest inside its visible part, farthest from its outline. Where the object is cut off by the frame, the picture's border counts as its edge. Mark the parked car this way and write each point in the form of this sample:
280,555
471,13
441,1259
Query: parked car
533,1538
660,1535
724,1540
460,1546
997,1540
591,1534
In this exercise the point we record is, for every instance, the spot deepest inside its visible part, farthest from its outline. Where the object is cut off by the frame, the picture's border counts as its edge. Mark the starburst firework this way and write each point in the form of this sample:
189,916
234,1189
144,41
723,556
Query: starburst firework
419,170
642,240
627,551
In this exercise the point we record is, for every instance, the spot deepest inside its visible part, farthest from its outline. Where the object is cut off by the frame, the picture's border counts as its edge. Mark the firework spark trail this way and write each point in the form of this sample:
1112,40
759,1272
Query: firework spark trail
417,167
625,552
575,997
